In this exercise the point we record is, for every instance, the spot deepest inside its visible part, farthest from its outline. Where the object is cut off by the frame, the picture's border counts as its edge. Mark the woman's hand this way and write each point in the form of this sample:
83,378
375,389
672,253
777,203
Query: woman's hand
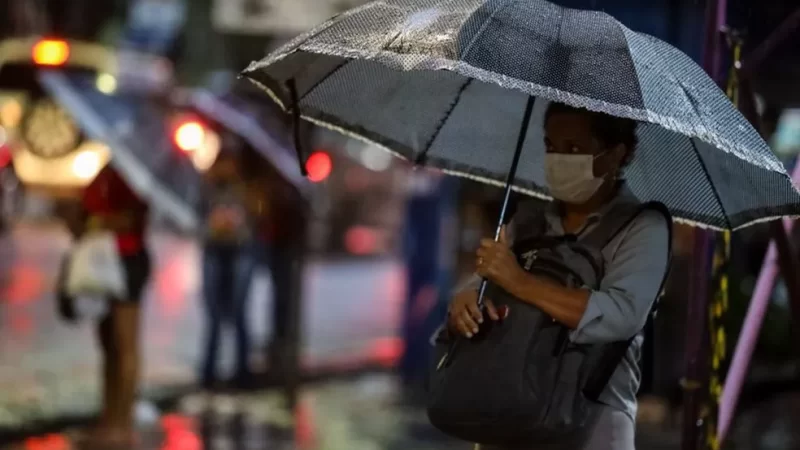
464,317
497,263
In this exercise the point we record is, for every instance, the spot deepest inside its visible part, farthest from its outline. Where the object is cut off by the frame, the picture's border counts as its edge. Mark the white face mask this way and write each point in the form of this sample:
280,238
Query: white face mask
571,177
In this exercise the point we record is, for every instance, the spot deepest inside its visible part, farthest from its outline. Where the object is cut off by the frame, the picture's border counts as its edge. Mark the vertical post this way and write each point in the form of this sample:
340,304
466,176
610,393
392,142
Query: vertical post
297,257
781,249
696,326
787,260
294,313
787,252
751,329
696,320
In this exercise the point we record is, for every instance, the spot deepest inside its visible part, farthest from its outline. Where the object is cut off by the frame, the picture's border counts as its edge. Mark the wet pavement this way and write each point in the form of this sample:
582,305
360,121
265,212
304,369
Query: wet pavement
48,369
368,414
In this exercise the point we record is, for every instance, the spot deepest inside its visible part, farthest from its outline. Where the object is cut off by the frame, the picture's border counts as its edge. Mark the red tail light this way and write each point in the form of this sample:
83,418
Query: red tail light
319,166
50,52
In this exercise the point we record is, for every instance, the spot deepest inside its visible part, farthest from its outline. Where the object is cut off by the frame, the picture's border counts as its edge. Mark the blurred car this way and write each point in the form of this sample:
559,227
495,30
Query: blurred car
50,153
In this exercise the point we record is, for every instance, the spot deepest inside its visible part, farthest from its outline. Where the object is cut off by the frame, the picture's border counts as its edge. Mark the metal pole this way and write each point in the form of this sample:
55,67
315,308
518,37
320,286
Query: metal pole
291,352
697,310
750,330
781,255
293,345
787,254
696,326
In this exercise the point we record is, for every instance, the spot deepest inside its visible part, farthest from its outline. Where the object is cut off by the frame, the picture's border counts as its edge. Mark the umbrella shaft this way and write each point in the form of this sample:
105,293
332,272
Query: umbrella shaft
292,86
512,174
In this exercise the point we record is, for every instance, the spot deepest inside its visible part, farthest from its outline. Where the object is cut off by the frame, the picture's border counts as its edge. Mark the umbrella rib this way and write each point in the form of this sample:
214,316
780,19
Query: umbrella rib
482,29
711,183
322,80
692,101
420,159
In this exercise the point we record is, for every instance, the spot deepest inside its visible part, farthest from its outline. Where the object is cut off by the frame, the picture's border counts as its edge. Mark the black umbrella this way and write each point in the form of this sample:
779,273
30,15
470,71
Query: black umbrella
446,83
137,132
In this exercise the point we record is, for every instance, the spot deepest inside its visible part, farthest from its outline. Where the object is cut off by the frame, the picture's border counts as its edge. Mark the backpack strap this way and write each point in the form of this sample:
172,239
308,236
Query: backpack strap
527,223
616,351
613,223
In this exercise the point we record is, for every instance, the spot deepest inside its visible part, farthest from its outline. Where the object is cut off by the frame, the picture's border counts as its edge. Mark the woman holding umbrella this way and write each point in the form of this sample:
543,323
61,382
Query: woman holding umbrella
586,153
456,86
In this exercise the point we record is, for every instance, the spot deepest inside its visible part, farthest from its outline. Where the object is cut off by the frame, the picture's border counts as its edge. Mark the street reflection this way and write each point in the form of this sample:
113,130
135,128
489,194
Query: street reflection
179,433
364,413
49,442
49,368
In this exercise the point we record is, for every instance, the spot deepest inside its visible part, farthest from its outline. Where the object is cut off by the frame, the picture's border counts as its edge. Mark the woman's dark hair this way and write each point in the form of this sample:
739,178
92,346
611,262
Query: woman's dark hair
609,130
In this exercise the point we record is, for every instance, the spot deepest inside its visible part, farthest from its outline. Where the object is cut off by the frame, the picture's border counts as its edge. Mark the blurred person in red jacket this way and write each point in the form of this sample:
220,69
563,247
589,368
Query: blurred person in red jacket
111,205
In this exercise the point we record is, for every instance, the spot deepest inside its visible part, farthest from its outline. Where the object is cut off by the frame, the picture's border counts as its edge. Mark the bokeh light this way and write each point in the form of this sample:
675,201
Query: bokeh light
319,166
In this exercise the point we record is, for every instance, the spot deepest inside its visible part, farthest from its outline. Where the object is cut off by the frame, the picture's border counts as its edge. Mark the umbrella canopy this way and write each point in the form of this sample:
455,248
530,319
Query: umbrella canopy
136,131
445,83
249,120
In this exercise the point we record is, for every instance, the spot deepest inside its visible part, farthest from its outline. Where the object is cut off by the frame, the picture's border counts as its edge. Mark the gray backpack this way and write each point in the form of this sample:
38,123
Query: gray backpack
522,381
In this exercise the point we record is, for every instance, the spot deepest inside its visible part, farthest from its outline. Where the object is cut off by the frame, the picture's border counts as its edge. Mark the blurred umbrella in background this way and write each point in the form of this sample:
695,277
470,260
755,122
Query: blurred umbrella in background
249,119
446,85
137,132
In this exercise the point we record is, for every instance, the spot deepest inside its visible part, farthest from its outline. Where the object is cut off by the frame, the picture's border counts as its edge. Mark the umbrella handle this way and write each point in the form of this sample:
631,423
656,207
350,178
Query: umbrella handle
512,174
292,86
447,359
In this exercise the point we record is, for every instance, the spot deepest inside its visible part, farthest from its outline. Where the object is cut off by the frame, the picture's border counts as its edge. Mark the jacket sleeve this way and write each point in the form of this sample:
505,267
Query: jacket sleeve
619,309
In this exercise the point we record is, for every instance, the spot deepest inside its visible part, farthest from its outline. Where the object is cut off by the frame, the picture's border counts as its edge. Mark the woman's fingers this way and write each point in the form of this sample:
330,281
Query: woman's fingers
488,251
461,319
464,327
475,312
470,322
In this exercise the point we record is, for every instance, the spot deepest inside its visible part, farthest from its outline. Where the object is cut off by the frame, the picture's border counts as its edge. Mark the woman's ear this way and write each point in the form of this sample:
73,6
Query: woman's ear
613,161
620,153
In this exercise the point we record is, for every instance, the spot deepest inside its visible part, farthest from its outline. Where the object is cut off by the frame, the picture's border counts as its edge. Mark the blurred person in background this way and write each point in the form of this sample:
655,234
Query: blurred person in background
110,204
234,206
429,258
283,231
